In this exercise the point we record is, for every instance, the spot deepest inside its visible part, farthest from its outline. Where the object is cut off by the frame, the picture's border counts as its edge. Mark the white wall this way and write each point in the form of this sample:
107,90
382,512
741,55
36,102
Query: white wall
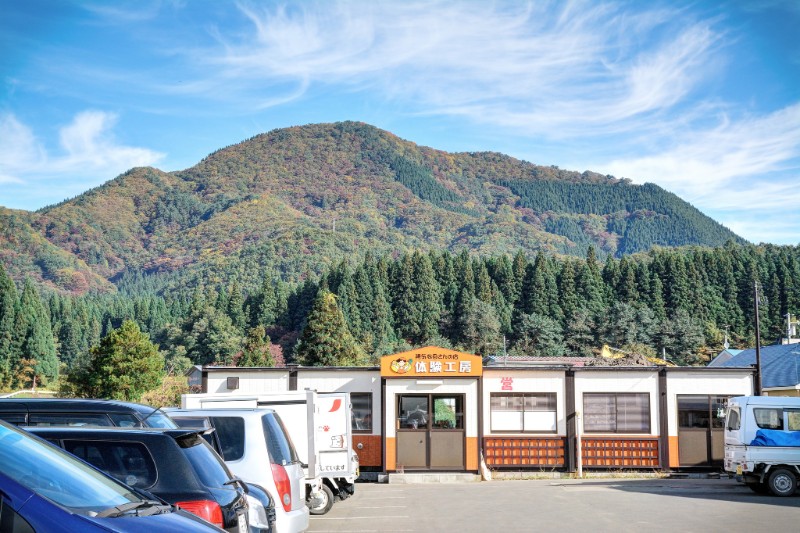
249,382
703,381
525,381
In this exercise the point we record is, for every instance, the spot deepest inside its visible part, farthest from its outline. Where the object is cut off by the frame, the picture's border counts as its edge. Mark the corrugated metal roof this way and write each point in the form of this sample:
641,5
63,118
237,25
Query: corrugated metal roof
780,364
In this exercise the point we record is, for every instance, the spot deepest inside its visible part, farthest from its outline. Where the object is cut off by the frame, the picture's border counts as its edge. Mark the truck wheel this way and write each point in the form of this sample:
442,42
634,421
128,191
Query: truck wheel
758,487
324,502
782,482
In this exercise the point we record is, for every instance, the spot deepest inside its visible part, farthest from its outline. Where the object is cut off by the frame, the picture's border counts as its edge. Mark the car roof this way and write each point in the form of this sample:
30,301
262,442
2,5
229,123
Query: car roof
113,433
243,411
74,404
766,400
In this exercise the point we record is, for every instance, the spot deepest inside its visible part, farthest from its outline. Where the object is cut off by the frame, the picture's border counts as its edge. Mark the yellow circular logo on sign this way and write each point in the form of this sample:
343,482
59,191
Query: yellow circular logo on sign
401,366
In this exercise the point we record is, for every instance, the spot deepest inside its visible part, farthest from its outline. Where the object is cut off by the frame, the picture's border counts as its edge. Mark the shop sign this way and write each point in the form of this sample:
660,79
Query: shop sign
431,361
507,383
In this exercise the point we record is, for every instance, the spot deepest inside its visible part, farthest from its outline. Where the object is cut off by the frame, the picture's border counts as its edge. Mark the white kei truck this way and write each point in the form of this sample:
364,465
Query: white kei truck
319,424
762,443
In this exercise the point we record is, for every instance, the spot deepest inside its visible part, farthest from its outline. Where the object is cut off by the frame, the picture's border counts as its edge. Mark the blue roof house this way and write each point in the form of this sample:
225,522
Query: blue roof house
724,356
780,368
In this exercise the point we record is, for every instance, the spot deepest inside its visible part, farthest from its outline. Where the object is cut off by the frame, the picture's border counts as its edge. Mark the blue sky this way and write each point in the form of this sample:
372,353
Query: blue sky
702,98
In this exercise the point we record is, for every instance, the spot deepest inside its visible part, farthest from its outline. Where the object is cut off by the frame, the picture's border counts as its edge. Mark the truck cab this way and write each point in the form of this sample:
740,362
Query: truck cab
762,443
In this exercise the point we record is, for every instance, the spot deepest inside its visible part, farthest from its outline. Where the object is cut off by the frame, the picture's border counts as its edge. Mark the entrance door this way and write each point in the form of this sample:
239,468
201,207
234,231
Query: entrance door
701,430
430,432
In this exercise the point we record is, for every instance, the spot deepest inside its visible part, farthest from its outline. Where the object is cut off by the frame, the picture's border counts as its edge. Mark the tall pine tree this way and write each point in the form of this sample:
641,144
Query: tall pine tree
326,339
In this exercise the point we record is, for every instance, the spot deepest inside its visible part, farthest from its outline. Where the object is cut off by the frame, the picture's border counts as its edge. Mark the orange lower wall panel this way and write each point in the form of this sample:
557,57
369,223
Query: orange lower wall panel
674,457
391,454
472,453
370,452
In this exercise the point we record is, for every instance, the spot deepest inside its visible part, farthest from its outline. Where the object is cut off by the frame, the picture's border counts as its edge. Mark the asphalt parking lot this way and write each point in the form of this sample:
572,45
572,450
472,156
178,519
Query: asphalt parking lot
597,505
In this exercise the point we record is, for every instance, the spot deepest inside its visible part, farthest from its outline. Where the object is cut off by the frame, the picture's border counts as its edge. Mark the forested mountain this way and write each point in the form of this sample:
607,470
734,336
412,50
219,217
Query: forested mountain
302,198
346,237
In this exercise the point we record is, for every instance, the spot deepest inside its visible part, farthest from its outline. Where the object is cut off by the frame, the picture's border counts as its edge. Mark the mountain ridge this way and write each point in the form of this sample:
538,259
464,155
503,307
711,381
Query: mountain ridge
308,196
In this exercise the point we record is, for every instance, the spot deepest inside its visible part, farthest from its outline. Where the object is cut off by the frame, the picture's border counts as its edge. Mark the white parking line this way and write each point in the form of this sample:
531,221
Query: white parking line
384,507
355,517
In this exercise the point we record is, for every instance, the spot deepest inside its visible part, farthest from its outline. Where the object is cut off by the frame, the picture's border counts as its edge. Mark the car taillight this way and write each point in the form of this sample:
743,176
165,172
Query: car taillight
283,486
205,509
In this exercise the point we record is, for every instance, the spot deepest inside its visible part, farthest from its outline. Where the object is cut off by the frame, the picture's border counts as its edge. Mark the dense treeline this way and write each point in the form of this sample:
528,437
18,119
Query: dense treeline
678,302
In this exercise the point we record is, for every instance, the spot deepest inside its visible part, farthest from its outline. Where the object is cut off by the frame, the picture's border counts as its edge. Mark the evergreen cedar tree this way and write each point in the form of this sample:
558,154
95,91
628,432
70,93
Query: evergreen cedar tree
326,339
677,300
124,366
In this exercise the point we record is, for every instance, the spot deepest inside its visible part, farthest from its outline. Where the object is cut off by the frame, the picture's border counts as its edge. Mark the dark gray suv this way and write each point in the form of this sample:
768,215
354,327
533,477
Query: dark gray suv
177,465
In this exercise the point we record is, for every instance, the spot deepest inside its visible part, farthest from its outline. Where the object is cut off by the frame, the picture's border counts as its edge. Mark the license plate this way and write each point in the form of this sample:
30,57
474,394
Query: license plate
738,470
242,524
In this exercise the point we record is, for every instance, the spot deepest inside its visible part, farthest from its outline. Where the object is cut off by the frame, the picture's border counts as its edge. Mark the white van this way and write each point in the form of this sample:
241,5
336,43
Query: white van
762,442
320,424
249,440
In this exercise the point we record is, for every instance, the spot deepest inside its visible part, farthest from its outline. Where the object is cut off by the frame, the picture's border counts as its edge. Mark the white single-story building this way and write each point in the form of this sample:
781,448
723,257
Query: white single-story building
434,409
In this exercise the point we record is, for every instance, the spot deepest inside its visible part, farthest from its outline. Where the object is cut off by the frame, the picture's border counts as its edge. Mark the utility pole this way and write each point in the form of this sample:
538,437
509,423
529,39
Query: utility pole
758,340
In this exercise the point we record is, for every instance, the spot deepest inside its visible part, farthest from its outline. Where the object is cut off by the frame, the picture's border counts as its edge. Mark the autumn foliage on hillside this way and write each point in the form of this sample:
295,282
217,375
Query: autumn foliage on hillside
319,193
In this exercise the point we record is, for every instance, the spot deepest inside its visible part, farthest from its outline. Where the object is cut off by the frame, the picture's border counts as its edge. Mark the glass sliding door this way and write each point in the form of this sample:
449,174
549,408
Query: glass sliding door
430,432
701,431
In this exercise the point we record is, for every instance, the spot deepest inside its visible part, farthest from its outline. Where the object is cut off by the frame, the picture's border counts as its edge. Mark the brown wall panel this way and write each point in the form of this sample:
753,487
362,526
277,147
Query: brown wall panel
620,452
517,452
370,452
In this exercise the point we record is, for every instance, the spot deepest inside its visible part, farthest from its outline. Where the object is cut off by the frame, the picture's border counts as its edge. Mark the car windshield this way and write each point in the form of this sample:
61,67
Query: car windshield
57,475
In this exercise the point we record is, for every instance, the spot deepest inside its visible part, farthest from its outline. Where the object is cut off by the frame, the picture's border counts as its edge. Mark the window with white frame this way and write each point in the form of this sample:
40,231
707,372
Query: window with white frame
616,412
523,412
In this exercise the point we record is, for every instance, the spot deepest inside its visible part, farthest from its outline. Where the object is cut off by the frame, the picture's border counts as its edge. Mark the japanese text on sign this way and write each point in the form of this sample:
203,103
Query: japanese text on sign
435,367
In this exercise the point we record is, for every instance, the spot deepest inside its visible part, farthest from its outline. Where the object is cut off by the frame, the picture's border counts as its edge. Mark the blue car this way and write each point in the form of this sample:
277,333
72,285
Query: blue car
45,489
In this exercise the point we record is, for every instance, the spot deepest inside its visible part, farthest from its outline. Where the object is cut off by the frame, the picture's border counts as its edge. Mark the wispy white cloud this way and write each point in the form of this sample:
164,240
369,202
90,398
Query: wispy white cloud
88,151
763,225
719,164
745,173
119,13
559,68
19,149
